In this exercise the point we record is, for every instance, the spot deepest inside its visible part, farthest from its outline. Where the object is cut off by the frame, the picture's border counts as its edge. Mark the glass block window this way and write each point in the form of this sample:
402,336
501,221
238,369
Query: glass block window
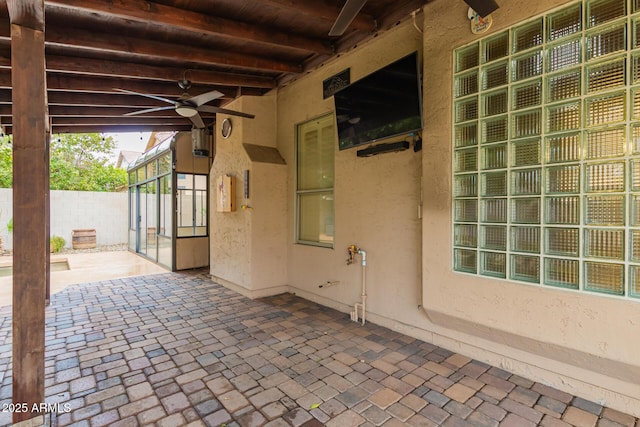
546,143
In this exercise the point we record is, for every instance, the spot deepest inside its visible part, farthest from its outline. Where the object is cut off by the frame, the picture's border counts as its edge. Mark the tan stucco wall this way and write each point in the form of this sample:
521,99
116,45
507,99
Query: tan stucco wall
590,340
376,199
191,252
584,344
185,160
248,246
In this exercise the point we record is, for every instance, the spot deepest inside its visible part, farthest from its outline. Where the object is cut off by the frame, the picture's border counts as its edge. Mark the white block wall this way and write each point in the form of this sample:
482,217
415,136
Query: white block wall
107,213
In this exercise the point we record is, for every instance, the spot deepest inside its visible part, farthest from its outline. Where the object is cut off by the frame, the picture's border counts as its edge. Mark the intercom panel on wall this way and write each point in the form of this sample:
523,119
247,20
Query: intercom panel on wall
225,193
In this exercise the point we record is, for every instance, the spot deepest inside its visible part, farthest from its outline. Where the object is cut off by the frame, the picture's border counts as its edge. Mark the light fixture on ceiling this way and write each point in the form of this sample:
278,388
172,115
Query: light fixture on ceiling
186,110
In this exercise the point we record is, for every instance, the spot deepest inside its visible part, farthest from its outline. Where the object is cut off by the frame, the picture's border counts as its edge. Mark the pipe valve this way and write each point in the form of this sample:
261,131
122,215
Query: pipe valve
352,251
359,307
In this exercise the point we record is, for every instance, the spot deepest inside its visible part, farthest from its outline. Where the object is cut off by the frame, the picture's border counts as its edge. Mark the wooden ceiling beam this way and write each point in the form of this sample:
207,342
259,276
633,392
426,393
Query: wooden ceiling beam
132,70
90,41
148,12
87,120
27,13
75,111
117,128
81,83
315,9
129,120
62,98
98,67
59,98
83,40
98,112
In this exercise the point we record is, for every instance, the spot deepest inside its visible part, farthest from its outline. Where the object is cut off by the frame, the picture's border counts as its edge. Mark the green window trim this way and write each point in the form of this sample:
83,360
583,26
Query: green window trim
315,148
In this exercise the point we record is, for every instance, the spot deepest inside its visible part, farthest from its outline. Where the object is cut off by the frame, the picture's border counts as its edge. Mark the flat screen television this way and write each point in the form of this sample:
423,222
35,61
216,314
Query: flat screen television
384,104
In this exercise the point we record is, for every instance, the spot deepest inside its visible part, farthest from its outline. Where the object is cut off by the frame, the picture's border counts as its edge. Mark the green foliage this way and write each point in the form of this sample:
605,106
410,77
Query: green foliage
57,243
6,162
77,162
10,226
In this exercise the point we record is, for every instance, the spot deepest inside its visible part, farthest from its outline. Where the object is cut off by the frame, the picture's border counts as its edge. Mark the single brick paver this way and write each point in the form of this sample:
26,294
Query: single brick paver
579,417
177,349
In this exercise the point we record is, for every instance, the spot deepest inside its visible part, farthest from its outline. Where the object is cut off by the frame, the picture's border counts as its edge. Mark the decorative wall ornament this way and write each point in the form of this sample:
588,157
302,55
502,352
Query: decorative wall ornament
335,83
479,24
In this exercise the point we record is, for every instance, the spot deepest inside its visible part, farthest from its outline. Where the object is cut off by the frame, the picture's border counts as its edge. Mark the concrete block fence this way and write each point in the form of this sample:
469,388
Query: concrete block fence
107,213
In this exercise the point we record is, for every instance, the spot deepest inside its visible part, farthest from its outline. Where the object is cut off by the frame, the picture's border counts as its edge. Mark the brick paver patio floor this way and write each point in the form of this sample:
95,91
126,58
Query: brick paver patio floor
176,349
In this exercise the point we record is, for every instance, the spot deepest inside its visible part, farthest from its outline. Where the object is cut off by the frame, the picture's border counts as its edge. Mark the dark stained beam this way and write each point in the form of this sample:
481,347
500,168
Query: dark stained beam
315,9
86,121
119,128
107,128
351,40
73,111
96,99
389,20
84,40
97,112
59,98
145,11
27,13
30,188
124,121
102,43
47,231
81,83
99,67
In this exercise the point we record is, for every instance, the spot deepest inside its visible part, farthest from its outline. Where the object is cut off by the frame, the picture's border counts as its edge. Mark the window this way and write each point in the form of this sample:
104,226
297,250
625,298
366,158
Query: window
546,139
314,181
165,206
191,196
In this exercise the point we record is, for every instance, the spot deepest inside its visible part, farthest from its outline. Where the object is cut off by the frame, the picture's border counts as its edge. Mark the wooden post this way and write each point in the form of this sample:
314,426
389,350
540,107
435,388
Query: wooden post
30,188
47,233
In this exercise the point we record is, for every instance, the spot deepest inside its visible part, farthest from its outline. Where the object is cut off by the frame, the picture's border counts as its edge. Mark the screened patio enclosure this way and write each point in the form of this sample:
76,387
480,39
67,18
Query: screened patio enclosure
168,200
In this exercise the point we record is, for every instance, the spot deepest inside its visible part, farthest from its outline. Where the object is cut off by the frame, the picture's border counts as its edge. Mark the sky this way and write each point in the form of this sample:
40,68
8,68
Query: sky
130,141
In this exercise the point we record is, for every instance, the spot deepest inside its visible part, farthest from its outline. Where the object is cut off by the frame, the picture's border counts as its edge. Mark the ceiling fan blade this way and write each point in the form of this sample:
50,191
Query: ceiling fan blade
150,110
202,99
212,109
348,13
482,7
197,121
158,98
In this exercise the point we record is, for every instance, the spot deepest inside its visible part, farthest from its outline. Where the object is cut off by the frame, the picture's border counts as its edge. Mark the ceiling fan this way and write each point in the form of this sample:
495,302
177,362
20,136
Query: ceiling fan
188,106
348,13
351,9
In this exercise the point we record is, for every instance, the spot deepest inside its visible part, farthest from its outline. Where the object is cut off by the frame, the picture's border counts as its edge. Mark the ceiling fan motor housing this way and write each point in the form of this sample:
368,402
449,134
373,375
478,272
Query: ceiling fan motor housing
184,84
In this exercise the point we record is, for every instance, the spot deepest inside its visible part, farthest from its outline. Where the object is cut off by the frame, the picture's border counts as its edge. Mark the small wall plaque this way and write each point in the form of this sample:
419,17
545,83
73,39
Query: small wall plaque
225,193
334,83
